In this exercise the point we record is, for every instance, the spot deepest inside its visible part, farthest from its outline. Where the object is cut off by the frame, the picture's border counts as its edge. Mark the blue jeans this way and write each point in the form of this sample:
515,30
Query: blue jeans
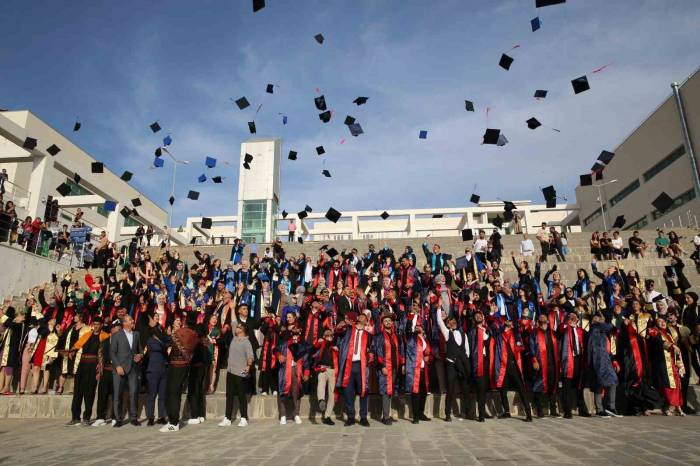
355,386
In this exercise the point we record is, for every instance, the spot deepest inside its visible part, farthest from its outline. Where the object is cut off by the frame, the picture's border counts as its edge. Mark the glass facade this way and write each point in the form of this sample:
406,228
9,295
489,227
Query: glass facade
632,187
594,215
638,225
76,189
677,202
254,221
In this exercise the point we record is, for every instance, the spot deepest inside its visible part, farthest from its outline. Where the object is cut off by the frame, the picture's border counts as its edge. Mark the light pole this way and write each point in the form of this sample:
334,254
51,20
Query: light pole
176,162
600,200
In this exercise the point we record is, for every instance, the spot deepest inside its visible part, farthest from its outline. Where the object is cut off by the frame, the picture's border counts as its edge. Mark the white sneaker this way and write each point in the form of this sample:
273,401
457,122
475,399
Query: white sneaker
283,420
243,423
297,420
99,423
114,422
274,393
201,420
169,428
193,421
225,423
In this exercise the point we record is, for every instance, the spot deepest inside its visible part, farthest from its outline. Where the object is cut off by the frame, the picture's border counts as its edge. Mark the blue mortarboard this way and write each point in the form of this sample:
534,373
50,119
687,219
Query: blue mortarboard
210,162
535,23
202,178
110,206
284,119
158,162
355,129
423,134
167,140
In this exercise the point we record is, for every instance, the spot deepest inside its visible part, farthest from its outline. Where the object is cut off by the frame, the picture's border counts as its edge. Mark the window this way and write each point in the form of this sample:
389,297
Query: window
76,189
677,202
254,222
632,187
668,160
101,210
131,222
591,218
67,217
638,225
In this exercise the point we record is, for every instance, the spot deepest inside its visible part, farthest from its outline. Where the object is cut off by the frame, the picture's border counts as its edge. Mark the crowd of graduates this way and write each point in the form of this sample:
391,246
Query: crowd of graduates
348,324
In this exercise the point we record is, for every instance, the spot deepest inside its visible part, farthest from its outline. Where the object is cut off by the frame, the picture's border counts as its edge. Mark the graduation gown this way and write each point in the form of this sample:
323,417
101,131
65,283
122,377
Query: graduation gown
346,342
295,365
600,356
416,350
504,347
388,355
666,365
543,350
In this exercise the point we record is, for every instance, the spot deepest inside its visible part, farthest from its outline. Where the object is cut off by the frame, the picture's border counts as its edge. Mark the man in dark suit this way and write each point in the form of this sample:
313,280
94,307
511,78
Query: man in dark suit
126,352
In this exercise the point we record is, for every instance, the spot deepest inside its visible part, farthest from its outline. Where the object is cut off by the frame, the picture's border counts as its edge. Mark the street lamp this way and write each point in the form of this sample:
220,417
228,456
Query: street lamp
600,200
176,162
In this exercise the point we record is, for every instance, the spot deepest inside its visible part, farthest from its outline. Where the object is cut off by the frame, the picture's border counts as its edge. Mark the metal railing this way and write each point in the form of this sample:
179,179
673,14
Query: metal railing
16,193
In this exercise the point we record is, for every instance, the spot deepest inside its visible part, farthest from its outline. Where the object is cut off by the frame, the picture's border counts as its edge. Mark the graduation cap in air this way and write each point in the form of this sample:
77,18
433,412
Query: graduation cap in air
202,178
171,200
326,173
136,202
360,100
541,3
64,189
586,180
505,61
292,155
97,167
325,116
155,127
469,105
497,222
53,149
619,221
597,167
76,126
540,94
599,175
308,208
251,127
29,143
532,123
158,152
423,134
242,103
606,156
320,102
508,206
332,252
76,178
216,179
320,150
323,248
270,89
246,165
194,195
535,23
300,239
167,140
158,162
349,120
333,215
302,214
319,38
491,136
467,234
126,176
475,198
258,5
502,141
549,193
580,84
206,223
663,202
384,215
551,203
110,206
126,213
247,158
355,129
284,214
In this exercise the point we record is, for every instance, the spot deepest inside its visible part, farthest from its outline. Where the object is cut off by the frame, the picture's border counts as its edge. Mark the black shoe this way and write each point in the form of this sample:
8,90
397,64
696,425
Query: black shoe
151,422
528,418
505,415
118,424
481,419
349,422
328,421
364,422
87,423
686,410
161,420
135,422
540,414
487,416
448,418
415,421
423,417
554,414
568,416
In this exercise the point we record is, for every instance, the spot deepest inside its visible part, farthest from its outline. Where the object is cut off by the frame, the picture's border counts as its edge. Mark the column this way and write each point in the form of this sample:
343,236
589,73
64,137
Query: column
411,227
270,227
355,227
38,186
115,222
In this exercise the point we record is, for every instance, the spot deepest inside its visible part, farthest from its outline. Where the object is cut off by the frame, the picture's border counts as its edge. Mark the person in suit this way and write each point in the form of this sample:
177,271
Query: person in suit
126,352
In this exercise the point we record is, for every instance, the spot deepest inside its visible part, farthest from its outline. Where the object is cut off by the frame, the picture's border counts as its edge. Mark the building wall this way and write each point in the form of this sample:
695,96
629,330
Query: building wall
35,271
656,137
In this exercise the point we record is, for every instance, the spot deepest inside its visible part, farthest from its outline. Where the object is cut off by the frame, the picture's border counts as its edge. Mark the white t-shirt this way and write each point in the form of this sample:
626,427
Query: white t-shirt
617,243
526,245
480,245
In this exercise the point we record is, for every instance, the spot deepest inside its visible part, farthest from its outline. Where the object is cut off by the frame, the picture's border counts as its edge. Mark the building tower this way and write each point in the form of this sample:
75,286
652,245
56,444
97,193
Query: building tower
258,189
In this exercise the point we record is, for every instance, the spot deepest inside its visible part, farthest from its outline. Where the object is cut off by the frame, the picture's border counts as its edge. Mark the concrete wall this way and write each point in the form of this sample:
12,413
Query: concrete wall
22,270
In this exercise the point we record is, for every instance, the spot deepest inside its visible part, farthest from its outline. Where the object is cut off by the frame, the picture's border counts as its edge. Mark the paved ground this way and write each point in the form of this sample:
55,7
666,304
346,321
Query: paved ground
656,440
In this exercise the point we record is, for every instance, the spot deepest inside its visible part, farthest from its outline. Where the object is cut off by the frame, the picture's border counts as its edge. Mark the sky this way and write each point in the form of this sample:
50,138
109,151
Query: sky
119,66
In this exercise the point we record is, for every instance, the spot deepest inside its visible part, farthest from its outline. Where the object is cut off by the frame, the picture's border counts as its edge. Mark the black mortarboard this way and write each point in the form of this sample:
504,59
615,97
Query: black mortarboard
549,192
136,202
302,214
194,195
349,120
580,84
216,179
63,190
246,165
606,156
467,234
360,100
97,167
532,123
326,173
597,167
319,38
247,158
535,23
384,215
301,240
134,213
332,252
126,176
469,105
586,180
77,126
284,214
53,149
497,222
308,208
551,203
29,143
333,215
475,198
270,89
292,155
491,136
76,178
599,175
320,150
355,129
251,127
663,202
125,212
508,206
158,152
171,200
325,116
541,3
505,62
206,223
320,102
242,103
155,127
619,221
540,94
258,5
